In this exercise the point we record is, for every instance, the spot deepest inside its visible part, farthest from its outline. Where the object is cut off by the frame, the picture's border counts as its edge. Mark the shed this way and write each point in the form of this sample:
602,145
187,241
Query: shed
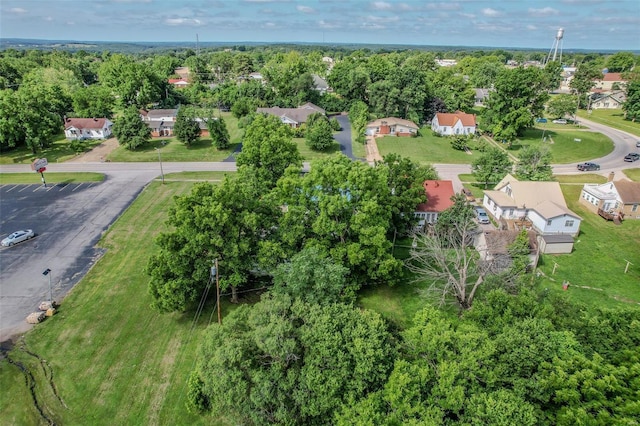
555,244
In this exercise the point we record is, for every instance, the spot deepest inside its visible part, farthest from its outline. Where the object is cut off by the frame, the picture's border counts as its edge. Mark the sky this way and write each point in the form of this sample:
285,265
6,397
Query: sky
587,24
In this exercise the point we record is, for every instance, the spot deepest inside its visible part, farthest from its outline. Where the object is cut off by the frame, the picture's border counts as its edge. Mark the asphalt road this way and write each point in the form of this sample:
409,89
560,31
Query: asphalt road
70,219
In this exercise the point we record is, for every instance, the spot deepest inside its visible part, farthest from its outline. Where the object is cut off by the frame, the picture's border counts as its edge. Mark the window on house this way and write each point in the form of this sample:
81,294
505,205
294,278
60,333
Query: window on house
634,208
568,224
549,222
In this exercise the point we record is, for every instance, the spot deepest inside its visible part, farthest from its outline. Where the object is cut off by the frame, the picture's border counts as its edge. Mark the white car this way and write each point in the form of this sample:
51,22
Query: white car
560,121
18,237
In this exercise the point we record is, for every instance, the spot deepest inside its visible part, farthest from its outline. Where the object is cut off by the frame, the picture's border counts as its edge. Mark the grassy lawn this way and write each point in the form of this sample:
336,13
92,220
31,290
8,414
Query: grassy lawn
633,174
564,148
598,259
425,149
580,179
309,154
613,118
172,150
114,359
29,178
59,151
196,176
358,148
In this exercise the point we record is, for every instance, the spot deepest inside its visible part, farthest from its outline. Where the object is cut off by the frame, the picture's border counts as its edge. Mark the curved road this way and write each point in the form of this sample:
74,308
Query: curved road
71,219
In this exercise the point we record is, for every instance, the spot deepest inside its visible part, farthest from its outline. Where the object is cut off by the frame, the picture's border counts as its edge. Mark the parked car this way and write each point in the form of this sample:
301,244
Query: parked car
586,167
632,156
638,144
560,121
481,215
541,120
18,237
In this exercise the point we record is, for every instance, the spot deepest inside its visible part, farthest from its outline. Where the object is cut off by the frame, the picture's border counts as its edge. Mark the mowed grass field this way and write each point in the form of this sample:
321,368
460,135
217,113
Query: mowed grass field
59,151
561,141
613,118
598,259
114,360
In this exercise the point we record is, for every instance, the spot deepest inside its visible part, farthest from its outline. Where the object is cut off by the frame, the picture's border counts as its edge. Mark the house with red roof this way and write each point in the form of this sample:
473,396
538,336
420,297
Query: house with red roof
87,128
609,81
439,193
178,82
451,124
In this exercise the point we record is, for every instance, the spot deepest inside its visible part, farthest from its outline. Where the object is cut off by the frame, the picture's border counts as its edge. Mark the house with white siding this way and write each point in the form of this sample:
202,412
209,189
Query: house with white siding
539,203
451,124
87,128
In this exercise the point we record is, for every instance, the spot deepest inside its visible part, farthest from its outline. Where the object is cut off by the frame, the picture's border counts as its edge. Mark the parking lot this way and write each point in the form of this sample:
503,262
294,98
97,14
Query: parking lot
68,220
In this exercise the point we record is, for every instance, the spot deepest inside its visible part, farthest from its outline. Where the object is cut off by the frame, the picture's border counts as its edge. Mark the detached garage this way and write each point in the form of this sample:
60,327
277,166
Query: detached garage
555,244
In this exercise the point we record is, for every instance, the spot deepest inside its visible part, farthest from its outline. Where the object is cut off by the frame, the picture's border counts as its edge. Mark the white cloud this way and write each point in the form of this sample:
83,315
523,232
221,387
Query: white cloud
372,18
491,12
531,27
17,10
467,15
443,6
381,5
546,11
183,21
305,9
48,18
328,25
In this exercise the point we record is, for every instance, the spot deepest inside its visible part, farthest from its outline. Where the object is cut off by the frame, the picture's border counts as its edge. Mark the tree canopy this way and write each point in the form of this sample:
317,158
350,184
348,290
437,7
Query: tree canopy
130,130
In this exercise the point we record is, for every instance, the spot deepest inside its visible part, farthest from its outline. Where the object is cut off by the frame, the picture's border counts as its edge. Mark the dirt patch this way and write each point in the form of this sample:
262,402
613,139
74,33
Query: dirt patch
98,154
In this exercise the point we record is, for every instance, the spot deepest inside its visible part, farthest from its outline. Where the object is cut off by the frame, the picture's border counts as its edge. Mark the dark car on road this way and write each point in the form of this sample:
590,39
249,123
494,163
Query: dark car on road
586,167
632,156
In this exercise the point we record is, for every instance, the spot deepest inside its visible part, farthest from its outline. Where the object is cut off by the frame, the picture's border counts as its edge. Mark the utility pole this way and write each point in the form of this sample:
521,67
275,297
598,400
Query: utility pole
214,271
160,161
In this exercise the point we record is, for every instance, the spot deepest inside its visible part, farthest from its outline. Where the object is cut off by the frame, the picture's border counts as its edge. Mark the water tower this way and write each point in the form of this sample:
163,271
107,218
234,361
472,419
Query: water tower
556,43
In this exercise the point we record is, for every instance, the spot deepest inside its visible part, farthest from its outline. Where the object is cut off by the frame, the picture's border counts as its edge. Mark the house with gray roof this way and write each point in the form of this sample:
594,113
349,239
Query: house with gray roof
294,117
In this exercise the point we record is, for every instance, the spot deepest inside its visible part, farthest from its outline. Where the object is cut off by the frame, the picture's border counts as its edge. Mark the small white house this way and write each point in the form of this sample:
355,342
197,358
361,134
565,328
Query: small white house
87,128
540,203
392,126
451,124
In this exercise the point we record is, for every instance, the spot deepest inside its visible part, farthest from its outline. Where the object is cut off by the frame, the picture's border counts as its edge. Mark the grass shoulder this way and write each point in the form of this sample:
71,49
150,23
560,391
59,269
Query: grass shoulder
50,177
59,151
613,118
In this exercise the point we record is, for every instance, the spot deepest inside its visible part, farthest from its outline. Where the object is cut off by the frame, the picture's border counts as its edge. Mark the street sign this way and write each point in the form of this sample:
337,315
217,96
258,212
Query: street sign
41,170
38,164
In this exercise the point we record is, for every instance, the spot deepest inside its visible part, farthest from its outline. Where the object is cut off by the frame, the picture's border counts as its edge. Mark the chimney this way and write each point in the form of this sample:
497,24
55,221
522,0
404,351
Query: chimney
610,178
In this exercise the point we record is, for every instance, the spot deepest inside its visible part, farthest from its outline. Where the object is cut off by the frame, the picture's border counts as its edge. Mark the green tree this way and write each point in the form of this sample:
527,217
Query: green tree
460,212
584,80
12,132
405,182
460,142
93,101
491,166
290,362
186,128
621,62
631,106
359,117
534,163
130,130
519,96
229,222
312,277
218,132
319,135
40,113
134,83
562,105
268,149
343,207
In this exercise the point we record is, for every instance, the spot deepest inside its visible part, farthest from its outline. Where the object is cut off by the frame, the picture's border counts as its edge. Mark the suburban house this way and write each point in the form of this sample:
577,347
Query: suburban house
178,82
439,193
294,117
610,81
87,128
481,96
160,121
392,126
494,246
457,123
539,205
607,100
320,84
616,198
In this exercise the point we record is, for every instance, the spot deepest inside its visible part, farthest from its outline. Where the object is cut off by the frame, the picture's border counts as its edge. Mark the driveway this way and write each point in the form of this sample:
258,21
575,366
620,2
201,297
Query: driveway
343,137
